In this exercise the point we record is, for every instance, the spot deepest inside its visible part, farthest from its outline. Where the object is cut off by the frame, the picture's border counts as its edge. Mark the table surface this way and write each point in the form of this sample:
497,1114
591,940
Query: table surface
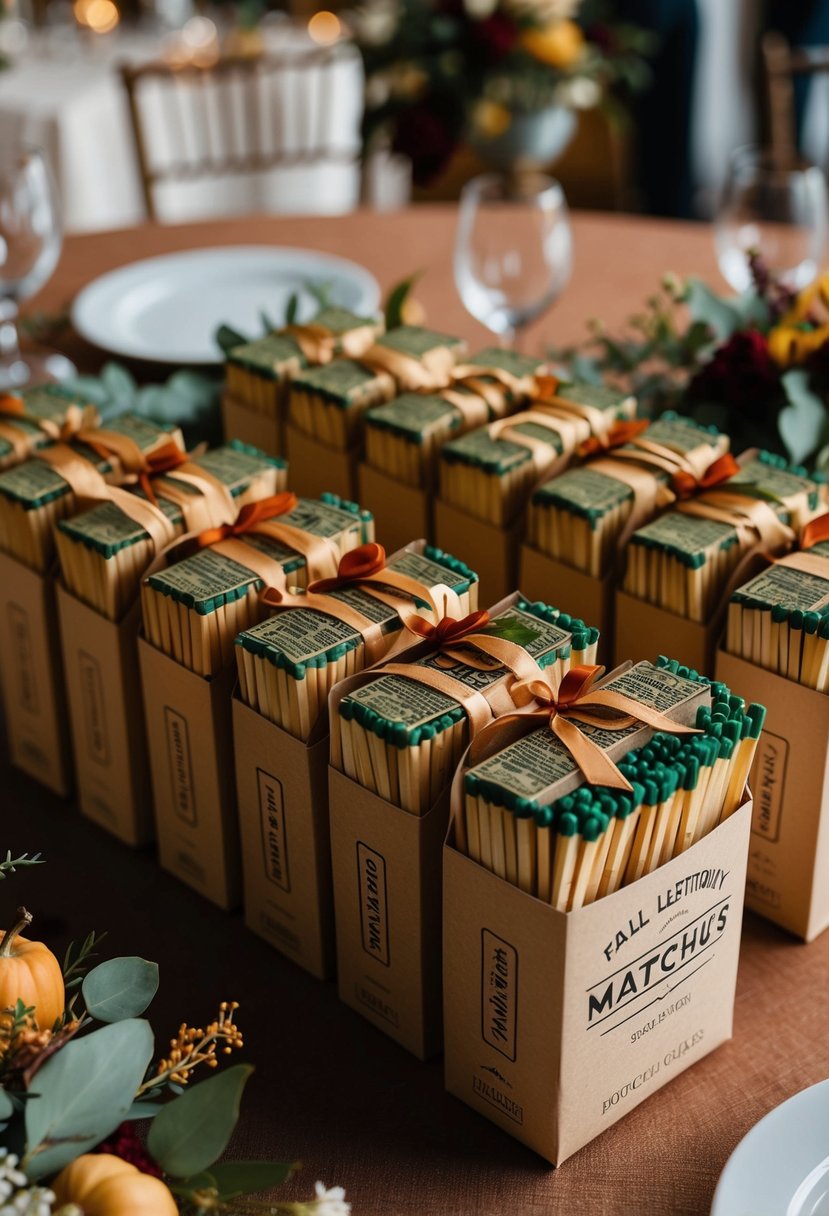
329,1089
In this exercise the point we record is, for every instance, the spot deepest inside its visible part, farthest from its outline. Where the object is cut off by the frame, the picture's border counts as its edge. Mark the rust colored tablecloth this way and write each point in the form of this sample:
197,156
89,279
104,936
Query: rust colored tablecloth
329,1089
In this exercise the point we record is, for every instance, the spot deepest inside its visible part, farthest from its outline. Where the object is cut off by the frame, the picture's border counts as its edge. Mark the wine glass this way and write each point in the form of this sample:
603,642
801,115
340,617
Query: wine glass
30,244
776,209
513,249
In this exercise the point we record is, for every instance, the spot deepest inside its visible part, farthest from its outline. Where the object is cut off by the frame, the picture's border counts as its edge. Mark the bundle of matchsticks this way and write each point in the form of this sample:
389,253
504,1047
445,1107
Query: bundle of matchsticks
36,417
527,814
585,516
60,478
404,436
329,402
193,608
491,472
289,663
256,373
684,560
779,620
402,732
104,551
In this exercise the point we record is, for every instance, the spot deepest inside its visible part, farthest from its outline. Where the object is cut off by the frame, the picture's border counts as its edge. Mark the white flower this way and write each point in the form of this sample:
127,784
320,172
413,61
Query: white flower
330,1202
375,22
479,10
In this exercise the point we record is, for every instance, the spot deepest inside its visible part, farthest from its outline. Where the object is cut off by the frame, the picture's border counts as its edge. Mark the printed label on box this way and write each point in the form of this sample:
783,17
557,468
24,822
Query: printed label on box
371,876
181,766
768,784
94,711
274,835
22,650
499,993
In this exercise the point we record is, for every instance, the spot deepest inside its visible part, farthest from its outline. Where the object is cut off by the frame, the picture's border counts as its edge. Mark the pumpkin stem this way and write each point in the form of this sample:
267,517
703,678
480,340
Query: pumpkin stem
24,920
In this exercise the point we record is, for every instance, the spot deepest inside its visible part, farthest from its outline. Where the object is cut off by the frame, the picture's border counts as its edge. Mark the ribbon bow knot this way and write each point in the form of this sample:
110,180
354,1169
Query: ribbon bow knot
618,435
686,486
356,566
448,631
163,460
249,518
816,530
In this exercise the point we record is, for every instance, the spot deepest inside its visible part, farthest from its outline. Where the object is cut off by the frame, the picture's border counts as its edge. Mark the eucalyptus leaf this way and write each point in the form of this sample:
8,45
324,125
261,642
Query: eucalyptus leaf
234,1178
143,1110
292,309
802,422
190,1133
396,299
119,383
226,338
509,629
6,1107
89,387
203,391
83,1092
703,305
321,293
120,988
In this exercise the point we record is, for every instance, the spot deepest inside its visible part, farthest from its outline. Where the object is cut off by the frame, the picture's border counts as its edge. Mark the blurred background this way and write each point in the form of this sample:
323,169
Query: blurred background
177,109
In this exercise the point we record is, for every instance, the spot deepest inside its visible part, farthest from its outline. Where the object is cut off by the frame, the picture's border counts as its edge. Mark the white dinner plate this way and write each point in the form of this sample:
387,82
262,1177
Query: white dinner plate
167,309
781,1168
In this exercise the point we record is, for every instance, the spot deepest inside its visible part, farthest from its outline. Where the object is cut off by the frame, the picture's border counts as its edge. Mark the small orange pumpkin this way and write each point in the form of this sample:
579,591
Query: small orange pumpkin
559,44
102,1185
29,972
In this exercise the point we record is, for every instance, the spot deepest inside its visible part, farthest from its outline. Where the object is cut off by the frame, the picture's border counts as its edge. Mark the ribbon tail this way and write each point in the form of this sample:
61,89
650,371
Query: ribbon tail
596,765
638,711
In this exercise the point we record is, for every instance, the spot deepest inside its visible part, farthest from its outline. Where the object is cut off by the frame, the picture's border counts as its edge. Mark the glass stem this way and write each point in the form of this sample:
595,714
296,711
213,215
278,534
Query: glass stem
9,340
508,338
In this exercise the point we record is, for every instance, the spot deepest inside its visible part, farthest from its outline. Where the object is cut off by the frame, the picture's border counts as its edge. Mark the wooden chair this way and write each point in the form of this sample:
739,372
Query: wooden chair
782,63
225,119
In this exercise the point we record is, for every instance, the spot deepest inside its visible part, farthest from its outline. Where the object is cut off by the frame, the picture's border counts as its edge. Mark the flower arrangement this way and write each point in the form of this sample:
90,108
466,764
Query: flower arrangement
79,1070
440,70
755,365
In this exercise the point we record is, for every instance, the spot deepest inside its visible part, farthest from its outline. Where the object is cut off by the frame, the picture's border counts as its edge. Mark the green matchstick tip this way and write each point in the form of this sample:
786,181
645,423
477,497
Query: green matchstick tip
757,718
592,828
567,824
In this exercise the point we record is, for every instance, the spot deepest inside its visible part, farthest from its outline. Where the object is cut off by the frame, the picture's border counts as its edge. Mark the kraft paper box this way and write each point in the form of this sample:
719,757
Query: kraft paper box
558,1024
643,629
400,511
315,467
282,791
100,661
386,865
32,684
259,430
492,552
788,861
190,744
592,599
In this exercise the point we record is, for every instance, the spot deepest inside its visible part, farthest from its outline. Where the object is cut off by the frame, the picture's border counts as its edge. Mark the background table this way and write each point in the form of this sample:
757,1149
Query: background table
329,1089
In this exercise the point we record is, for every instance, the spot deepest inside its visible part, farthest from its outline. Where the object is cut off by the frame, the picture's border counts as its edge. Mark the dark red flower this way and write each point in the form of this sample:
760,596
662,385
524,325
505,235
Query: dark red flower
496,35
741,373
127,1144
426,139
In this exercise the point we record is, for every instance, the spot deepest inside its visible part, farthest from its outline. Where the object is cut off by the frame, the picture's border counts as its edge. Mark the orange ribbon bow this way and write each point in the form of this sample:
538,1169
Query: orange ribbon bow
686,486
578,701
816,530
354,567
618,435
448,631
14,407
250,516
163,460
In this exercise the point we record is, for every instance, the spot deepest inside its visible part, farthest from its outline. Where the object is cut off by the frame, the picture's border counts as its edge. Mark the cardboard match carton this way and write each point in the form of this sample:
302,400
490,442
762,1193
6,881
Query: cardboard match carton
642,629
788,860
316,467
100,664
412,512
32,682
190,747
492,551
558,1024
592,599
262,431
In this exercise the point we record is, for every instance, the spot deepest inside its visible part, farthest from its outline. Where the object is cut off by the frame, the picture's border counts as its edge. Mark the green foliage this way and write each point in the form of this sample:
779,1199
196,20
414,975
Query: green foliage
83,1092
803,421
234,1178
510,629
77,958
190,1133
396,299
12,864
188,399
120,988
